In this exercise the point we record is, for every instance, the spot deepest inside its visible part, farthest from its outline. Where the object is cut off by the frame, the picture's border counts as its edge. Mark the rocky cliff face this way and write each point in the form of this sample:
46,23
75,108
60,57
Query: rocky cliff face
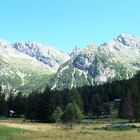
26,65
29,65
115,60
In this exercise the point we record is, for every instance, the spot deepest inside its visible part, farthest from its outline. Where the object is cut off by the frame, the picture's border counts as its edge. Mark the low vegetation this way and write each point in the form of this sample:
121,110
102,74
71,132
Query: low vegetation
8,133
103,112
18,130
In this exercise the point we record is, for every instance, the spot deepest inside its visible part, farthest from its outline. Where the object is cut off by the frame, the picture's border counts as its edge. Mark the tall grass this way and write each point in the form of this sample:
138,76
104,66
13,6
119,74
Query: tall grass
22,131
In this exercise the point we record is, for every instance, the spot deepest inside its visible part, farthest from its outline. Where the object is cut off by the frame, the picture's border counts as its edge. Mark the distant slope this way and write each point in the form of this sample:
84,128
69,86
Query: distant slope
27,66
93,65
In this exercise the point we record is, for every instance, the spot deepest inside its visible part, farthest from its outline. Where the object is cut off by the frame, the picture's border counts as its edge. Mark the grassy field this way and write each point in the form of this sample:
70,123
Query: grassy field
8,133
18,130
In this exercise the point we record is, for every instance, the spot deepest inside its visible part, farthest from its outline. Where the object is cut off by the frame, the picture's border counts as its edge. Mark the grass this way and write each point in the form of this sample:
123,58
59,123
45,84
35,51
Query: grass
18,130
7,133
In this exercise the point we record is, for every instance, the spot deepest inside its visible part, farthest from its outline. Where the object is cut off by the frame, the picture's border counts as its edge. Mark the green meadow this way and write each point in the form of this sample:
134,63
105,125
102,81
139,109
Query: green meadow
18,130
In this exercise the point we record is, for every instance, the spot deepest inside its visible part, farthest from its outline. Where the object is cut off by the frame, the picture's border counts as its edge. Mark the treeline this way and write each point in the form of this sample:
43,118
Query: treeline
41,105
12,102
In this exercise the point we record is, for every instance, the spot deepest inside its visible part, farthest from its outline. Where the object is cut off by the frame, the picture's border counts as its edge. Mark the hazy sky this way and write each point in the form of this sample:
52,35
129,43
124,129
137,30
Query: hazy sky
67,23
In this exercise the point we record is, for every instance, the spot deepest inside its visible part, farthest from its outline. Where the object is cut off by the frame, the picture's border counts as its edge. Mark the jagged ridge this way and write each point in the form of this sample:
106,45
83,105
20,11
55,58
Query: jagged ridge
26,65
115,60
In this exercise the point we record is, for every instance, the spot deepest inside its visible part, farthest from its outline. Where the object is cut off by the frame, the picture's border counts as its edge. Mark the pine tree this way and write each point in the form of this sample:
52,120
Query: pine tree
46,106
32,105
127,108
10,100
71,115
57,114
19,104
136,99
96,105
3,104
10,103
75,96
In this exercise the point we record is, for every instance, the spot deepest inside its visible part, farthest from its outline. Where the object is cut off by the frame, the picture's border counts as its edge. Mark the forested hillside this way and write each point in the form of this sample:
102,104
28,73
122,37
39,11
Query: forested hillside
40,105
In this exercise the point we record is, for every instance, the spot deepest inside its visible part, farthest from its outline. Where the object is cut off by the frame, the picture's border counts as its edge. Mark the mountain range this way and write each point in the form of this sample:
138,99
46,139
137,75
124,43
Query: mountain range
29,65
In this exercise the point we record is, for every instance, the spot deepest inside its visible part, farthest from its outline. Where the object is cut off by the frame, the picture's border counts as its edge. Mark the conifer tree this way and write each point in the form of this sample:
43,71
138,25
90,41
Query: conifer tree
19,104
75,96
127,108
136,99
96,105
71,115
46,106
32,105
57,114
3,104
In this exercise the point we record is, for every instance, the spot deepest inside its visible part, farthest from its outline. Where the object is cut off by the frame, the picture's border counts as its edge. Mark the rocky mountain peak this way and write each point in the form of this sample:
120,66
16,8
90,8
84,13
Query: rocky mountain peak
128,40
75,51
115,60
47,55
92,65
3,42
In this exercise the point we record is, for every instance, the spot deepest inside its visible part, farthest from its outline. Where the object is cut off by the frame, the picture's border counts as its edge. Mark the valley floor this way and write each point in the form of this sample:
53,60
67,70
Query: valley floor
19,130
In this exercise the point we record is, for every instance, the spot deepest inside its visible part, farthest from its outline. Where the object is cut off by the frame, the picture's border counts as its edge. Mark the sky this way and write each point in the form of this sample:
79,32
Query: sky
65,24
